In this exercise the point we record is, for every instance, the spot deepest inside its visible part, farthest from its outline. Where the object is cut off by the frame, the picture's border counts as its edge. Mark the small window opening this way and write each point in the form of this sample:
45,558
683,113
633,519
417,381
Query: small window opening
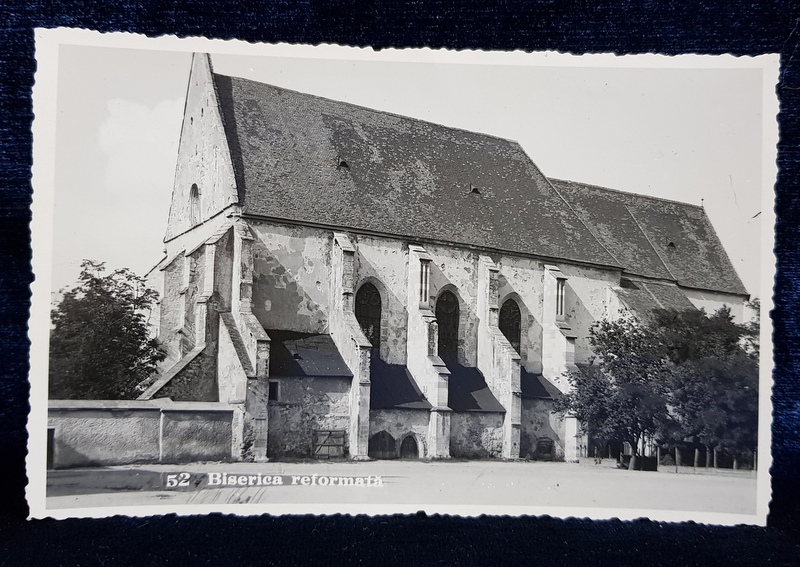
194,204
201,112
424,283
273,391
191,120
560,288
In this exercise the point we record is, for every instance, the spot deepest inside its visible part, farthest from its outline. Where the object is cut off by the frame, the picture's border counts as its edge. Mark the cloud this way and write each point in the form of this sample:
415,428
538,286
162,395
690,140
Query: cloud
142,145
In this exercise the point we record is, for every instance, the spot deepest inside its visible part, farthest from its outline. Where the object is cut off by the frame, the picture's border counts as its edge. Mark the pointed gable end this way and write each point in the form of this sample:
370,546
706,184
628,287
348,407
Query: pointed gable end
204,177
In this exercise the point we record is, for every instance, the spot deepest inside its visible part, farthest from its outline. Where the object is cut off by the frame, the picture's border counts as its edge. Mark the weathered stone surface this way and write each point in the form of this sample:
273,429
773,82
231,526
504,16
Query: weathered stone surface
538,422
476,435
306,404
96,432
205,159
401,423
196,435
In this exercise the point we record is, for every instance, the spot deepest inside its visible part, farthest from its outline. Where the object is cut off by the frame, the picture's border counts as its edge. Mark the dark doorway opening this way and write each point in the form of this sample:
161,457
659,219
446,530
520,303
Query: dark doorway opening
382,446
447,313
409,449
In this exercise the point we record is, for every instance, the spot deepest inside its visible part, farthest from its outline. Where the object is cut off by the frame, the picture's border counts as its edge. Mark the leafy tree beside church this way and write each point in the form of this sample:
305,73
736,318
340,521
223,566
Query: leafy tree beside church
681,377
100,345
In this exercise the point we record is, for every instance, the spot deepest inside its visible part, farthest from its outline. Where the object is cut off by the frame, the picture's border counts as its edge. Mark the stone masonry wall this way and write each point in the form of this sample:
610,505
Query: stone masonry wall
100,433
292,268
203,155
475,435
539,421
400,423
304,405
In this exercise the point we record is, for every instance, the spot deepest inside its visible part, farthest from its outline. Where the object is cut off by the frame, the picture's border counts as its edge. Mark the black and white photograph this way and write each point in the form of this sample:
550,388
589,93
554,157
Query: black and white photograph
293,279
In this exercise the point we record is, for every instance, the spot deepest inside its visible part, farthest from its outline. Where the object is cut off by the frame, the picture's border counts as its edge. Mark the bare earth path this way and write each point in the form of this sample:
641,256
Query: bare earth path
409,485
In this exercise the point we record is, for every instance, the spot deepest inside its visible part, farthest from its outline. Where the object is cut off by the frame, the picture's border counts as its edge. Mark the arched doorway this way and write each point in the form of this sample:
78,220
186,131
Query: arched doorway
409,449
368,313
510,322
382,446
447,317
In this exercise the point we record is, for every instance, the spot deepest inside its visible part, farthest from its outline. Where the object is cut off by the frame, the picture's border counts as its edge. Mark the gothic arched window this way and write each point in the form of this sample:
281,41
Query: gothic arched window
510,322
447,317
194,204
368,313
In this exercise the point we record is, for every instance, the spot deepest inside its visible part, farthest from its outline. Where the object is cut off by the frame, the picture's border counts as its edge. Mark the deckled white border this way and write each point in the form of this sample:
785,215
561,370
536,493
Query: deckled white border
44,98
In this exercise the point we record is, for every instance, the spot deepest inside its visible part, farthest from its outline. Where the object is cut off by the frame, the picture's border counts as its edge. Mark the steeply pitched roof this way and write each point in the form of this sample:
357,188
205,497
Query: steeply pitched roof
467,390
305,354
654,237
307,159
645,297
393,387
403,177
536,386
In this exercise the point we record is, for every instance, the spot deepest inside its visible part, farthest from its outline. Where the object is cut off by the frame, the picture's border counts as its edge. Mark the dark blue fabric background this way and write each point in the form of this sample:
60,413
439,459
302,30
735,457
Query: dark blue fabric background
669,27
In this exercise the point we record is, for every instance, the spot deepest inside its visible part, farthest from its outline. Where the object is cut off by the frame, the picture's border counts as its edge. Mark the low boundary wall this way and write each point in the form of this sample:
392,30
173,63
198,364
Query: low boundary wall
118,432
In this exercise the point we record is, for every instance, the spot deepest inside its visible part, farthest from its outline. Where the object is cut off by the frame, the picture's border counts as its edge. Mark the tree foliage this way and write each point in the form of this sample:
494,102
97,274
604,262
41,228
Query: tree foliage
100,346
623,396
684,376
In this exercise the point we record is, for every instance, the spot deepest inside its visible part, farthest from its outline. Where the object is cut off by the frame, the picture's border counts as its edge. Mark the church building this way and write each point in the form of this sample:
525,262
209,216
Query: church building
366,285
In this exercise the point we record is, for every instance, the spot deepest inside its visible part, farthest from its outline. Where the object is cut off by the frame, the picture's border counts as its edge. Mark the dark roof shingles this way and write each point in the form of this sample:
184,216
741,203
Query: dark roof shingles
405,177
305,355
393,387
467,390
645,297
536,386
410,178
641,229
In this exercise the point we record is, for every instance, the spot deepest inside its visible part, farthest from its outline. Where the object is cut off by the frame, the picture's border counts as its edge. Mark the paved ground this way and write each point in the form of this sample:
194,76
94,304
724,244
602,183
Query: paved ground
411,483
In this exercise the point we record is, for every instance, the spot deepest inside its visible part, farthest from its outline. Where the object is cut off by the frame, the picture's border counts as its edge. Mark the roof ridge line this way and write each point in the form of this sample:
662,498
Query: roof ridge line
574,212
383,112
650,242
629,193
653,295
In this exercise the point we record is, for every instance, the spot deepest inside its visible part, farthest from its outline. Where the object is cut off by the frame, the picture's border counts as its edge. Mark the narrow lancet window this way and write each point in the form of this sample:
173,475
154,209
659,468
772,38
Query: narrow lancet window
510,322
194,204
368,313
561,285
424,283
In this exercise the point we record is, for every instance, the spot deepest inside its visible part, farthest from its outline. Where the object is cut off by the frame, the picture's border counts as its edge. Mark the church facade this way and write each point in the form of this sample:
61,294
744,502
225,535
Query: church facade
365,285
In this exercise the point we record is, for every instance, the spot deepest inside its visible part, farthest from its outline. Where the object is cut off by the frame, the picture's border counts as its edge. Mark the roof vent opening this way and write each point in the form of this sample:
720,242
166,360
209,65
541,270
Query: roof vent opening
296,356
474,190
625,283
671,245
340,163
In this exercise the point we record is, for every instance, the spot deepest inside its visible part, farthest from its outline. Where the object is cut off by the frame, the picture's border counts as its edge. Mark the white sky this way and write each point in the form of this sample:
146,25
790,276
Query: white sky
683,134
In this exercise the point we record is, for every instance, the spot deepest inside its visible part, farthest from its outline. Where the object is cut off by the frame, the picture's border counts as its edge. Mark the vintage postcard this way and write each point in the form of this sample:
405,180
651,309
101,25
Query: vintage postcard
292,279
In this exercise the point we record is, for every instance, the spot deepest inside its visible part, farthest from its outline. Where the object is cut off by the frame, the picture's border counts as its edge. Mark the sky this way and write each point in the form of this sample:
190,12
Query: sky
692,135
